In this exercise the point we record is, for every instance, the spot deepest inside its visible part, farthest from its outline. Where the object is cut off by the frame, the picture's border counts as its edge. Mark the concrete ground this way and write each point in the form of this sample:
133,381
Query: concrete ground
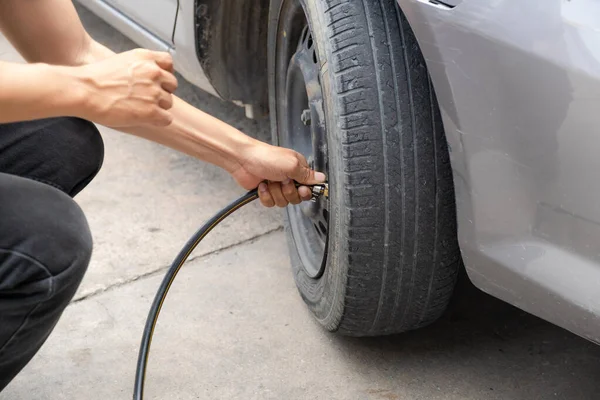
234,326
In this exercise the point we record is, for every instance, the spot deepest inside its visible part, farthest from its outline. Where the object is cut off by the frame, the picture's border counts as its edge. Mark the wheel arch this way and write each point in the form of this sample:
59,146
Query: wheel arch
231,46
418,19
419,16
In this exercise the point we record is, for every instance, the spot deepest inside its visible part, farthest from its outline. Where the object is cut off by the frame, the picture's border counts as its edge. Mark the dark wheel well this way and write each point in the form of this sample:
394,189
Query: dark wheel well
231,45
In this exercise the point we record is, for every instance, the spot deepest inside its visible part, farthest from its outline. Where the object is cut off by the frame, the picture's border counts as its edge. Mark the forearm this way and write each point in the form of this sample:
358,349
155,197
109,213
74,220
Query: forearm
131,92
192,131
55,35
34,91
200,135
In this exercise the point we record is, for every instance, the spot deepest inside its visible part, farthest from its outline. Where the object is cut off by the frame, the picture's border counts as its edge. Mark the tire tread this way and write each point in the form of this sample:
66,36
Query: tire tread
411,286
394,260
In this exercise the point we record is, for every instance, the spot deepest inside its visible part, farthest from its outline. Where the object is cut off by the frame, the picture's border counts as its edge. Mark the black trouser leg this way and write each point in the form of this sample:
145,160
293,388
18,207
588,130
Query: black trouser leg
45,242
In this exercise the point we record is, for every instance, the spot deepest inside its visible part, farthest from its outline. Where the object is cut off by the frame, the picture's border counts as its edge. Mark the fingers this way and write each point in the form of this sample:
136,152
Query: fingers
302,173
281,194
264,195
305,193
288,188
161,117
168,81
165,101
163,59
164,72
277,194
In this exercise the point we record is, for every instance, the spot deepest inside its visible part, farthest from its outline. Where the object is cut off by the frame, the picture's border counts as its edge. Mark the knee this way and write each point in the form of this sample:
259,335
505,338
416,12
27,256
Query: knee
46,226
91,143
62,239
87,152
71,249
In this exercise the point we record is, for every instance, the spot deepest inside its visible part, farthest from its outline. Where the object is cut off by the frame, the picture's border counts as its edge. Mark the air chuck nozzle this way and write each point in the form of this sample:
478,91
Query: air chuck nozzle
320,190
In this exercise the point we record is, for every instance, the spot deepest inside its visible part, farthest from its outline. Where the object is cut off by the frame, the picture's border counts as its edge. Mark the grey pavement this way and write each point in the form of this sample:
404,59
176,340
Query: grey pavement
234,326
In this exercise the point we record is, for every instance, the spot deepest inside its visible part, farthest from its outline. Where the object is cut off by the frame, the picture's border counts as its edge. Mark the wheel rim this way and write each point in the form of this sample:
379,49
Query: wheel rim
304,122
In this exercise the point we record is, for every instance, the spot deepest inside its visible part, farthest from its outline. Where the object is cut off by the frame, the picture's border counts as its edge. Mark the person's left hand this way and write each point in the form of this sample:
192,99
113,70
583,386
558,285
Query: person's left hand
280,167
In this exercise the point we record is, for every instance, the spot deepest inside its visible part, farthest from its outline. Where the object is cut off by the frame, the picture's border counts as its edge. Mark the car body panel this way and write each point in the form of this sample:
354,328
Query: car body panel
518,84
125,25
157,16
181,45
185,56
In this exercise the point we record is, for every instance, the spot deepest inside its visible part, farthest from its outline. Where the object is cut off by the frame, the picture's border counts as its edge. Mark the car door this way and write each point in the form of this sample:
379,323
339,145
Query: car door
156,16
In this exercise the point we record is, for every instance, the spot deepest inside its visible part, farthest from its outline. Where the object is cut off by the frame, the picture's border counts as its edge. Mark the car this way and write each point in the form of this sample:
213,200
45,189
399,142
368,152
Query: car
453,133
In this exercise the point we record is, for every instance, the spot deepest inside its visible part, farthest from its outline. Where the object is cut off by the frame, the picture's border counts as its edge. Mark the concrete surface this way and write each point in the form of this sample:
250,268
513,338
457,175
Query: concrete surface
234,326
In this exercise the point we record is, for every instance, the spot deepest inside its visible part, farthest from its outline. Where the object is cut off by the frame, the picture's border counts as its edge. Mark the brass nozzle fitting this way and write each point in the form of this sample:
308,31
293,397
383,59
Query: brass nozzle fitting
320,190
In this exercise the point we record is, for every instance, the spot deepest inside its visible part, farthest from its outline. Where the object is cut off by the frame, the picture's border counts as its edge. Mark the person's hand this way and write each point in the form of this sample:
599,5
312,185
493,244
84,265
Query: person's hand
280,167
129,89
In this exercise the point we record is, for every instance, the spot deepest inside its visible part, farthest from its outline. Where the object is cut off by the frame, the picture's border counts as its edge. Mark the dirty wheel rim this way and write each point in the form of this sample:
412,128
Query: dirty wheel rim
304,122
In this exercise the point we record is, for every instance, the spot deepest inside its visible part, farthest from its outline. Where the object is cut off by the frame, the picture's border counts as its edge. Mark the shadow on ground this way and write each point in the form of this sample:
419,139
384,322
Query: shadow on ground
491,343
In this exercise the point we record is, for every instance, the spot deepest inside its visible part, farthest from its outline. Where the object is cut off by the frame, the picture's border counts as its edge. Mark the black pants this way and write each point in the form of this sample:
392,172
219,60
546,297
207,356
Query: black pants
45,241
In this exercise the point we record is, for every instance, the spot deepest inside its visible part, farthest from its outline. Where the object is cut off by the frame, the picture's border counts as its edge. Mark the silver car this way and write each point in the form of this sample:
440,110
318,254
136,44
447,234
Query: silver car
452,132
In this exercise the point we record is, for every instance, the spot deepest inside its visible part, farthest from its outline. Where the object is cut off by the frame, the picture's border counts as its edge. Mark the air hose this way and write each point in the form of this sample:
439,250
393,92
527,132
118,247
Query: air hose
161,294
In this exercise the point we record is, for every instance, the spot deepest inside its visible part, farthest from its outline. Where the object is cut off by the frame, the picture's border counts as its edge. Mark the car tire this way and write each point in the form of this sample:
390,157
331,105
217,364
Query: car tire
391,255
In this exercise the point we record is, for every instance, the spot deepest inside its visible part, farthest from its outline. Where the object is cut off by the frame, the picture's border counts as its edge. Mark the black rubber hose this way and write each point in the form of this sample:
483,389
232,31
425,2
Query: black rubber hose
161,294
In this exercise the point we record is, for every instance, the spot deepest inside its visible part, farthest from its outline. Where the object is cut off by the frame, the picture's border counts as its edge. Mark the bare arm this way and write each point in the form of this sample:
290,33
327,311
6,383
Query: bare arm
47,31
39,90
50,32
33,91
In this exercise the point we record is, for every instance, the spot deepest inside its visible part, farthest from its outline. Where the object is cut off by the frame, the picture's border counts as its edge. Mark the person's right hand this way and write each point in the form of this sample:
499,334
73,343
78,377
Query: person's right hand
129,89
260,162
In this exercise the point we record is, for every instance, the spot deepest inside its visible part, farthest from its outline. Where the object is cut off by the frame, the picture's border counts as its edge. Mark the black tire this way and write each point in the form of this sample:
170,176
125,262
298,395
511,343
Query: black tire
392,256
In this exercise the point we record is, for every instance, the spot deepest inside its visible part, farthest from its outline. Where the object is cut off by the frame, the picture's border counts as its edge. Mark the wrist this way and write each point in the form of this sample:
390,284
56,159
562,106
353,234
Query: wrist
82,94
65,90
239,147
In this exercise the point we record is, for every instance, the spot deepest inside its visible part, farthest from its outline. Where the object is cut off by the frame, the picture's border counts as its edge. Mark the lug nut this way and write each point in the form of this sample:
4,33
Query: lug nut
305,117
